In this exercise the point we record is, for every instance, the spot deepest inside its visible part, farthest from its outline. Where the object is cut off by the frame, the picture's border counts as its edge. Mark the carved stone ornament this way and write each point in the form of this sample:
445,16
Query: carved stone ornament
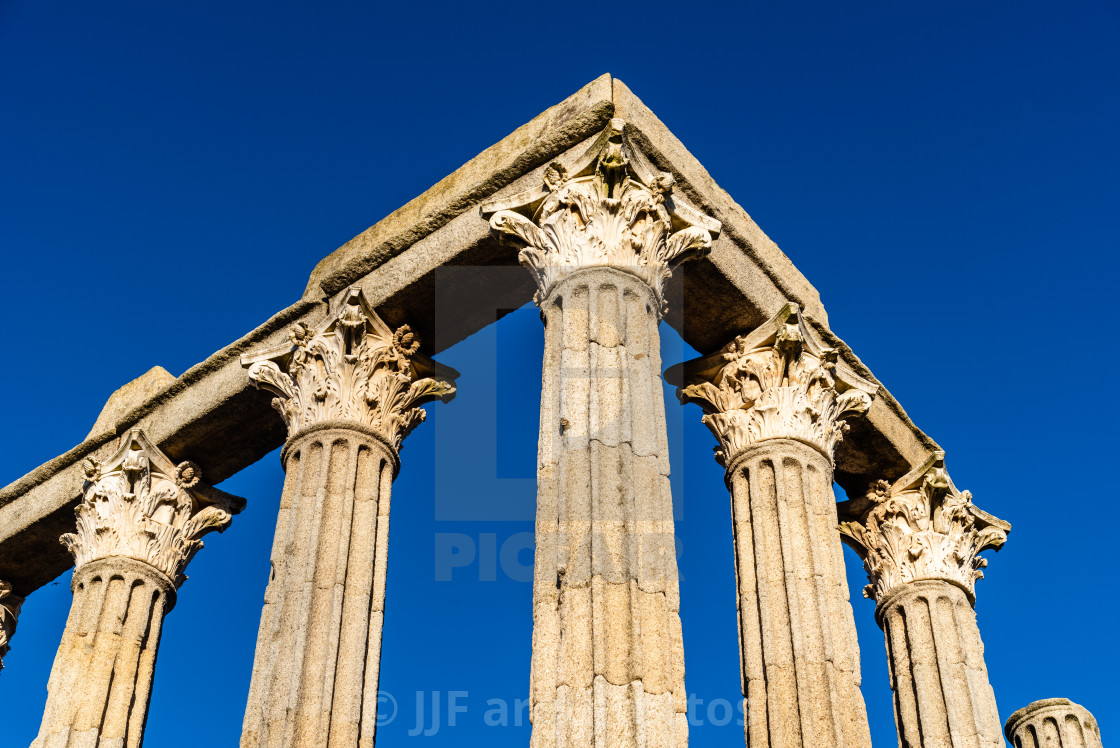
921,527
140,505
610,209
10,604
775,383
352,368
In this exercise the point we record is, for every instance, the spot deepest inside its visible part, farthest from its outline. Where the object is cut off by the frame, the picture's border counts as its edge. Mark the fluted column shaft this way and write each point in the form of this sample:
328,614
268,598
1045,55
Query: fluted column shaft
349,390
601,235
317,661
942,696
101,681
138,525
800,657
1053,723
608,659
778,402
920,540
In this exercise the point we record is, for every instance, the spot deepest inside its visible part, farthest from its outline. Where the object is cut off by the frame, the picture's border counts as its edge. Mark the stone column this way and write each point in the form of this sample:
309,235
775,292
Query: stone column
139,524
776,400
1053,723
920,539
10,604
349,391
608,659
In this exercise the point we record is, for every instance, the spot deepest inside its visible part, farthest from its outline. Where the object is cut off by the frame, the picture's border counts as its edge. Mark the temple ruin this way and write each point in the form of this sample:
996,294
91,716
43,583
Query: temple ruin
599,203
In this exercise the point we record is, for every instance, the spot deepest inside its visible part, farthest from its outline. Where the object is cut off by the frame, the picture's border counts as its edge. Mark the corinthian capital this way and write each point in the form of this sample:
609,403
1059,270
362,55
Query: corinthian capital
607,210
140,505
10,604
351,368
777,382
921,527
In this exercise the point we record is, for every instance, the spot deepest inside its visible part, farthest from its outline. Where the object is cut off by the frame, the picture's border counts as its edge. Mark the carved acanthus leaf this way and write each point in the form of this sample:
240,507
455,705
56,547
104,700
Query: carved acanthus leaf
351,367
604,214
775,383
921,527
10,604
140,505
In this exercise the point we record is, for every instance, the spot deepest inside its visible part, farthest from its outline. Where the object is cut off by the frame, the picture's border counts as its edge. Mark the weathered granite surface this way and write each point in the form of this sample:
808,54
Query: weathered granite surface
608,649
101,682
743,281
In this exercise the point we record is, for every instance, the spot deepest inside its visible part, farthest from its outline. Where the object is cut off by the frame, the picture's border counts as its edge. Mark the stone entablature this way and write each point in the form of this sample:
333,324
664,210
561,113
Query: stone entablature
351,368
603,213
140,505
921,527
776,382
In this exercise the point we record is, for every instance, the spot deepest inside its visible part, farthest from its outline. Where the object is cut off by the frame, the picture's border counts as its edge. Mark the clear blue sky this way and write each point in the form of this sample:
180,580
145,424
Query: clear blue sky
945,176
